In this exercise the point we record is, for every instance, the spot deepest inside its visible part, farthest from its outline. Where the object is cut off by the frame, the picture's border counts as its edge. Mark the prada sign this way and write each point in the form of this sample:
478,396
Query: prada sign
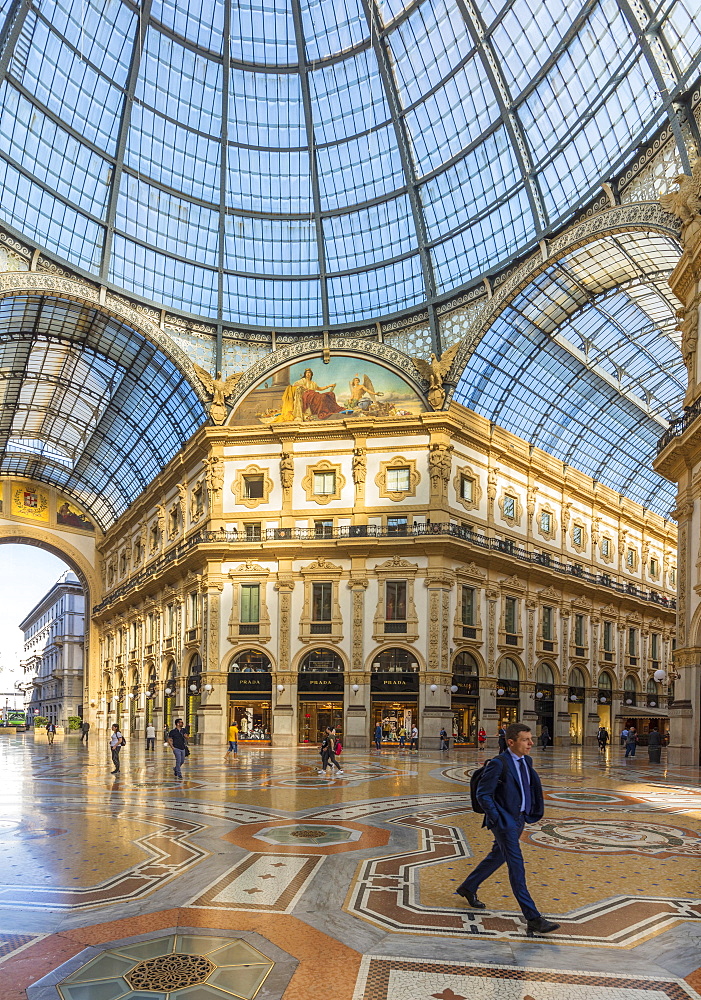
262,681
309,682
394,682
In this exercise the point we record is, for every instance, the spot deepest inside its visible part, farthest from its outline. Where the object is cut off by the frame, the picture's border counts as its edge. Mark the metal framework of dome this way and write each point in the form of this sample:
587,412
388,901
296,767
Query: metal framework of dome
305,163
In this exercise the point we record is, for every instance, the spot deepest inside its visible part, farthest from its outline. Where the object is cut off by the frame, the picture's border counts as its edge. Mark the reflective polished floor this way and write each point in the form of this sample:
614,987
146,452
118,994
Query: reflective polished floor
255,876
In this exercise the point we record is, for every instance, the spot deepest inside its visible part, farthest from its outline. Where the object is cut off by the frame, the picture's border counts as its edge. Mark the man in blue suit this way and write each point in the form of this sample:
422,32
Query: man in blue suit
511,795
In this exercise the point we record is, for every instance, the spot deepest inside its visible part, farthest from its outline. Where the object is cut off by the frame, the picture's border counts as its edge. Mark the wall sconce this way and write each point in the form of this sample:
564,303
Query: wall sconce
539,694
355,689
629,701
280,688
453,689
602,700
193,688
652,704
501,692
208,688
168,691
131,694
659,676
434,688
573,697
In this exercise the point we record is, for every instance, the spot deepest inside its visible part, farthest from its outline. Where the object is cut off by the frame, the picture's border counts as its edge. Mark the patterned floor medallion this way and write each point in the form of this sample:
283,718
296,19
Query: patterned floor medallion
176,967
614,837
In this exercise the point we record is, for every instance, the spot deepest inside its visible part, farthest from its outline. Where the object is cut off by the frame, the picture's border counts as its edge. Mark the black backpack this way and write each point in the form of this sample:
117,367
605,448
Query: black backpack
475,779
124,741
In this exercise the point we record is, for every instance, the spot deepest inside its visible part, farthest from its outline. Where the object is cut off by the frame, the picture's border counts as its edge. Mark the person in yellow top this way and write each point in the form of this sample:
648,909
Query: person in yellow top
233,738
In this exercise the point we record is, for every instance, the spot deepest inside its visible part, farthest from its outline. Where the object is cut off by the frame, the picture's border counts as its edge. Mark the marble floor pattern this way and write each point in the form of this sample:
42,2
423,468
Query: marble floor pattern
345,880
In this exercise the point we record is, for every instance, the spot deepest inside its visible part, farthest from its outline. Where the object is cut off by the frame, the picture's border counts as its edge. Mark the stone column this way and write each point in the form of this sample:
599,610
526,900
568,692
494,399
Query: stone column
284,732
357,703
214,706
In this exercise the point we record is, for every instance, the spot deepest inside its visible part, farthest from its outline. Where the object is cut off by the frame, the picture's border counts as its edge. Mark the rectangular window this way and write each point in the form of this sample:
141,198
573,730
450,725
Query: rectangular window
577,535
608,637
324,483
547,623
253,487
655,646
250,603
632,642
323,529
653,567
510,620
546,521
193,609
579,630
509,507
398,480
630,558
395,600
468,605
252,531
171,619
467,488
672,577
321,602
396,525
606,547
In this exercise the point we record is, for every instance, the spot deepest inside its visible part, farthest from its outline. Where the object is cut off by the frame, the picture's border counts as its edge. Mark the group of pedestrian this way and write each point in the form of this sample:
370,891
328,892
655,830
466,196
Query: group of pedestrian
402,736
629,738
329,749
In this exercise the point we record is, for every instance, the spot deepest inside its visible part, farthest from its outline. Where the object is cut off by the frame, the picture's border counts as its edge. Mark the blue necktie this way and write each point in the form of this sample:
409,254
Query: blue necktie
526,784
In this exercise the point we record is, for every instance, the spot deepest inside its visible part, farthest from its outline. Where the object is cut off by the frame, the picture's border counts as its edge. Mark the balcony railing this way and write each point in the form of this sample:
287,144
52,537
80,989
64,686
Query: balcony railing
472,536
678,426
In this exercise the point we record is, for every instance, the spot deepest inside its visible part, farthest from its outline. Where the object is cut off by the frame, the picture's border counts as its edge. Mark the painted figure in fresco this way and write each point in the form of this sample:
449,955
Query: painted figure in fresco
362,394
305,399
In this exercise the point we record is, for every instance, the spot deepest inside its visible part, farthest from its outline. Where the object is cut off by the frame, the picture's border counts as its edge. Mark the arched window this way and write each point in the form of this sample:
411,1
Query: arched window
577,678
544,674
465,663
605,682
395,661
321,661
250,661
508,670
629,684
651,687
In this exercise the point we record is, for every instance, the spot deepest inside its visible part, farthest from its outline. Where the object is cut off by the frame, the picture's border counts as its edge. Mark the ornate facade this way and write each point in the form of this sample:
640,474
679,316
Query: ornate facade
390,565
679,459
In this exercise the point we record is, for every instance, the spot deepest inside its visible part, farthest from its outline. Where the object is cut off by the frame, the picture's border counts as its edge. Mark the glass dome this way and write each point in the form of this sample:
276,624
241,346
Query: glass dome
293,164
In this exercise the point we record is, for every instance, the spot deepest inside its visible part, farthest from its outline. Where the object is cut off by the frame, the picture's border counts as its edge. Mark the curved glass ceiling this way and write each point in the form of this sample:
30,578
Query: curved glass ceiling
585,363
304,163
87,404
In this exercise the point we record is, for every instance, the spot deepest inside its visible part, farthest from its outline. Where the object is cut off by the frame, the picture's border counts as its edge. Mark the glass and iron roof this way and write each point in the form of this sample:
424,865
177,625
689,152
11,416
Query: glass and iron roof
87,404
292,164
585,363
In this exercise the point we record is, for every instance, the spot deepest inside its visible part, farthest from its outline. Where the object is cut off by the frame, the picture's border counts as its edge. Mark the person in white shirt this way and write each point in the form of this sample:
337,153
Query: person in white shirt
414,745
150,737
116,740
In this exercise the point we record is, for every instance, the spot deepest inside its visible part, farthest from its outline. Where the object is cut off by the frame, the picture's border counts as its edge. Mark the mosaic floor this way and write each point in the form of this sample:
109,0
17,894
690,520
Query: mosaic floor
256,877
